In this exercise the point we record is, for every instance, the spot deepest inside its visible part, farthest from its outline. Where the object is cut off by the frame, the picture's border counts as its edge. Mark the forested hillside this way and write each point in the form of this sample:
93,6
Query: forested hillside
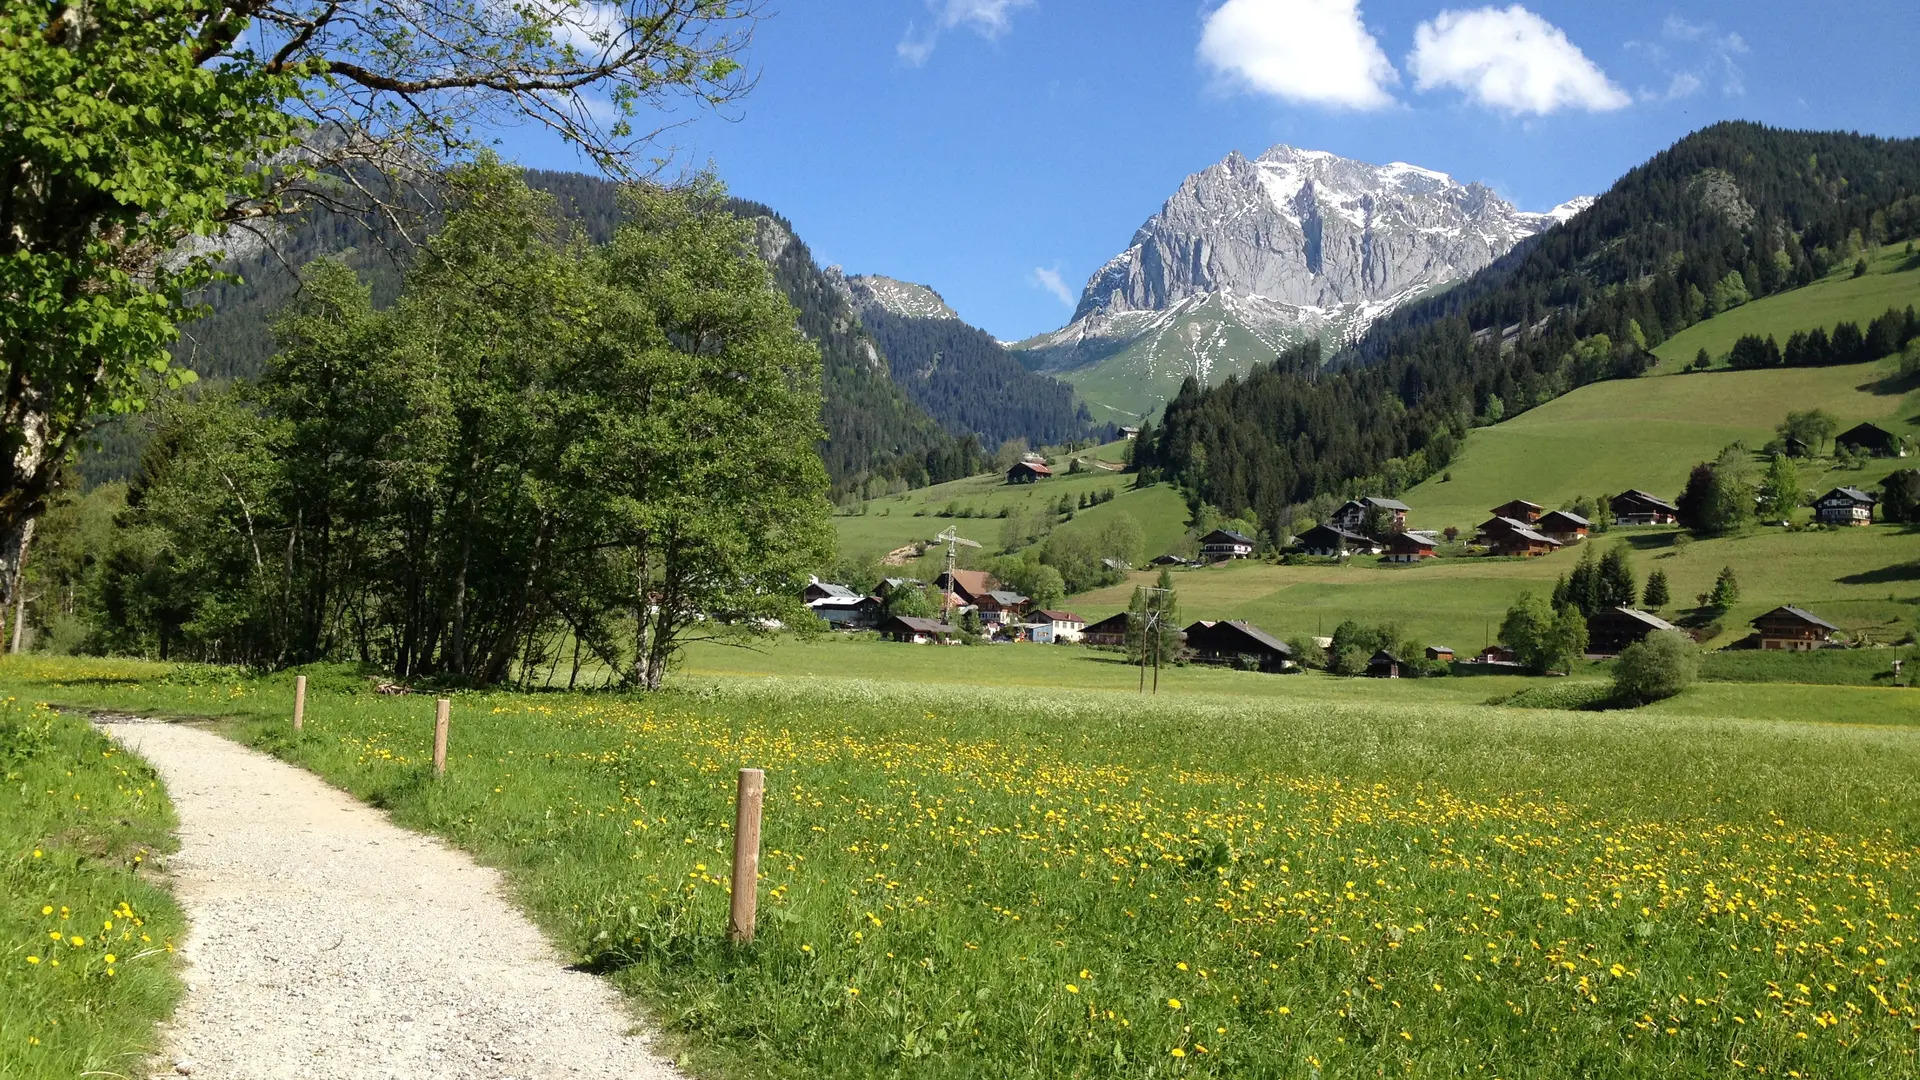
1730,213
970,383
877,438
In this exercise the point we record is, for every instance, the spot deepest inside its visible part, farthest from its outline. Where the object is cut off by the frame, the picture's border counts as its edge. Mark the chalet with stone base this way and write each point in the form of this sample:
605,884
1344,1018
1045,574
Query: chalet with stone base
1636,507
1844,506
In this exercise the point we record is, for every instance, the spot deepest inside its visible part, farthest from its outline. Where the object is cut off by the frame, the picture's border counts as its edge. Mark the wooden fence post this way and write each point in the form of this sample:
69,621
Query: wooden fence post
443,709
299,702
746,854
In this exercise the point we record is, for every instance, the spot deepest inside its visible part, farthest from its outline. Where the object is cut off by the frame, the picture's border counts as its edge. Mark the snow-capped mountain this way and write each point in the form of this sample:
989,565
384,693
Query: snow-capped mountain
1252,255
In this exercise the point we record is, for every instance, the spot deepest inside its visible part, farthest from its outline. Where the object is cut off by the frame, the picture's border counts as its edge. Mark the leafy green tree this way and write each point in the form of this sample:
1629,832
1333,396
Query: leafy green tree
921,603
1542,638
1780,492
970,623
1658,594
1813,428
1308,653
1656,667
135,126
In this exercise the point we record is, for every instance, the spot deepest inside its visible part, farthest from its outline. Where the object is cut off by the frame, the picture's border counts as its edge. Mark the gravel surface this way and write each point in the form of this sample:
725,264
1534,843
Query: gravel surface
328,942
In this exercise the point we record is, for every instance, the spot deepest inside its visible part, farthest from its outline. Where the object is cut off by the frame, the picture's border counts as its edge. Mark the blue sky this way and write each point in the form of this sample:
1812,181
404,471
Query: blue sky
995,149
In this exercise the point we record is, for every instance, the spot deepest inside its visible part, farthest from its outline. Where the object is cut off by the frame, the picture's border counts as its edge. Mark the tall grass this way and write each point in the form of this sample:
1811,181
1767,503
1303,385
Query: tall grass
86,933
1019,883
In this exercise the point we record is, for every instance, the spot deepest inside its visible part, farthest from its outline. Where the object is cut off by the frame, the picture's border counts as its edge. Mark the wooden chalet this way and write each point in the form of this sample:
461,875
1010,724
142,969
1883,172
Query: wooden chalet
1636,507
1440,652
1519,510
1609,632
1331,541
968,586
1791,629
999,606
1111,630
1871,439
1844,506
1523,542
1226,642
1352,515
1129,433
847,612
822,590
1568,528
1493,528
917,631
1496,654
1411,547
1383,665
1226,544
1028,472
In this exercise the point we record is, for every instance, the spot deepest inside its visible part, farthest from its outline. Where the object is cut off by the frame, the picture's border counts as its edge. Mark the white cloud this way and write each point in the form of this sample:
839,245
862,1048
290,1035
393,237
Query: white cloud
1692,55
988,18
1312,51
1051,281
1509,59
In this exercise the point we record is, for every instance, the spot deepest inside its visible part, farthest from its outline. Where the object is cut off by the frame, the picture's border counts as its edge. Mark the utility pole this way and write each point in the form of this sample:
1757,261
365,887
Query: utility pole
1150,626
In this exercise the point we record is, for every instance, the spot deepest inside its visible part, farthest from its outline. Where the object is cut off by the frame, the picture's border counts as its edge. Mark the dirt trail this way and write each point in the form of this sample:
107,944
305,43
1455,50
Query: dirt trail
327,942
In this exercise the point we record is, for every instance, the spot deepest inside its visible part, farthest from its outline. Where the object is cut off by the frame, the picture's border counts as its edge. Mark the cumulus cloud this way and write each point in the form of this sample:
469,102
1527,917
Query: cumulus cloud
1315,52
1051,281
988,18
1693,55
1509,59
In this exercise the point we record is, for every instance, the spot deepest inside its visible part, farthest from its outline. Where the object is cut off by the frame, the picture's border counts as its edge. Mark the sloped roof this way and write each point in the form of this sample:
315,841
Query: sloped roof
1385,504
1515,502
1853,493
1636,493
974,582
1412,539
1525,533
924,626
840,591
1227,536
1333,532
1566,516
1500,521
1872,432
1383,657
840,602
1005,598
1113,623
1651,621
1059,616
1036,466
1797,613
1247,630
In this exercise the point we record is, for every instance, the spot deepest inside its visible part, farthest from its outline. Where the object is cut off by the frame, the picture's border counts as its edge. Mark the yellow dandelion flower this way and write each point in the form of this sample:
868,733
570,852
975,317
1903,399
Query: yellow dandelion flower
48,910
33,959
1173,1003
1072,989
111,958
1177,1052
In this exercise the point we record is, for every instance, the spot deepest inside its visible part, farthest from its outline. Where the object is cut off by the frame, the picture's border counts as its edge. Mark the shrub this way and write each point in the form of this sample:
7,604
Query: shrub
1658,666
1350,661
1565,694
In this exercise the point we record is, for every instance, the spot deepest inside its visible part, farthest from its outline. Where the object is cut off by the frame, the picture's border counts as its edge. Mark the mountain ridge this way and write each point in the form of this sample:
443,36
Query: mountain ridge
1252,255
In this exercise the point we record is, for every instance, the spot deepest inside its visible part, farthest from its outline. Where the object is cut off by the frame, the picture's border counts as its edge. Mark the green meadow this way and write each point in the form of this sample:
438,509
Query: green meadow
87,928
1892,281
1003,880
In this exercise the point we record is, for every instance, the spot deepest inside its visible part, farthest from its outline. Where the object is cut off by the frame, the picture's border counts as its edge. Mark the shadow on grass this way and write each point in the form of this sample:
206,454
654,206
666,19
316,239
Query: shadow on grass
1906,571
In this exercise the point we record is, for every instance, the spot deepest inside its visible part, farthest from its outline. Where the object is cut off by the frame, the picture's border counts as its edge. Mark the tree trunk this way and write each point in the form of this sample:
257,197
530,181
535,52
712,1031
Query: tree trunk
20,588
642,618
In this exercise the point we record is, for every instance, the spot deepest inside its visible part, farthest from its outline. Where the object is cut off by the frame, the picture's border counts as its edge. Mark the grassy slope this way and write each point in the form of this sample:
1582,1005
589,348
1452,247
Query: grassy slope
964,882
1893,281
79,820
1866,579
888,523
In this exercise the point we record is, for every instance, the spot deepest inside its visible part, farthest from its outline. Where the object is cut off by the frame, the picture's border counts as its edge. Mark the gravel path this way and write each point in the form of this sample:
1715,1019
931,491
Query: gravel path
328,942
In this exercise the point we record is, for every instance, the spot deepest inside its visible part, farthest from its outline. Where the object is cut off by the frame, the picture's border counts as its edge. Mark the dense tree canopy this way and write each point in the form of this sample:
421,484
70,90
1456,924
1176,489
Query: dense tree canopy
604,448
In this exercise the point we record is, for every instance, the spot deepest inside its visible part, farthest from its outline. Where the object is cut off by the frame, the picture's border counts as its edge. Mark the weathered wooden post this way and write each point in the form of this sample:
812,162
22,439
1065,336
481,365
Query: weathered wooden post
299,702
443,710
746,854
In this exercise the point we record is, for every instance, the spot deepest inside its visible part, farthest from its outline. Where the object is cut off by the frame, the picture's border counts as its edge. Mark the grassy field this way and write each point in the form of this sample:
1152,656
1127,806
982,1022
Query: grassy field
885,524
1893,281
86,933
1648,432
1864,580
994,881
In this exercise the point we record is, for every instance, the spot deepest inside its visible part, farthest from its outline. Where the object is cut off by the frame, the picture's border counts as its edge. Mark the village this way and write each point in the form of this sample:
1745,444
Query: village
972,606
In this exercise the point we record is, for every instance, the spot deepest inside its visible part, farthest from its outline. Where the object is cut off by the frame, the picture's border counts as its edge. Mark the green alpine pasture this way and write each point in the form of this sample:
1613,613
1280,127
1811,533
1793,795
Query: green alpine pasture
1892,281
87,929
993,880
